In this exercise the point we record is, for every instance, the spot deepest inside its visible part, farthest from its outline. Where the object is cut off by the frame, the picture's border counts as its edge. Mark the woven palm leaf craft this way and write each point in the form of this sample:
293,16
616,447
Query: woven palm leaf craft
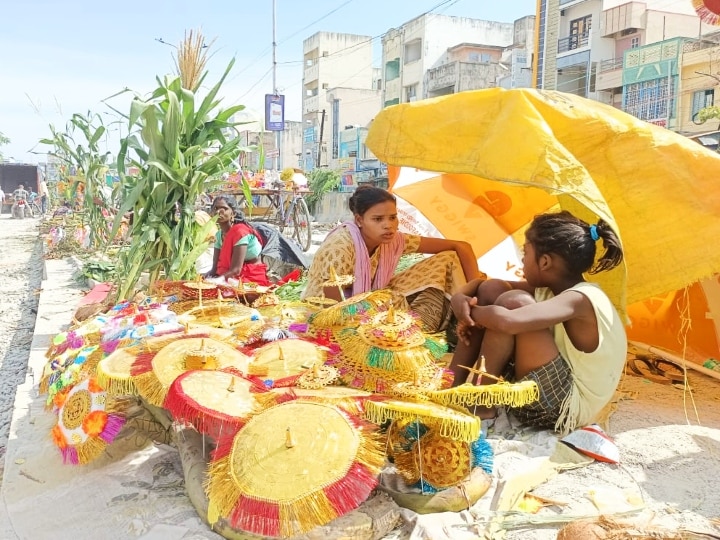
387,348
88,420
216,403
115,371
153,374
453,422
276,323
487,395
281,363
348,399
339,282
87,333
349,311
219,313
431,462
71,369
291,468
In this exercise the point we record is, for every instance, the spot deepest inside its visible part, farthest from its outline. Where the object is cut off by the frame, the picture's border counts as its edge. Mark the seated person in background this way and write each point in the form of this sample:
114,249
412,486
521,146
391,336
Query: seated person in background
237,245
554,328
370,246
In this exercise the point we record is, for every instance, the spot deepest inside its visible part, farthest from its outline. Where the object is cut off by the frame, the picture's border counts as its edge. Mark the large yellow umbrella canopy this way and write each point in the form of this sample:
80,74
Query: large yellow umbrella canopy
655,187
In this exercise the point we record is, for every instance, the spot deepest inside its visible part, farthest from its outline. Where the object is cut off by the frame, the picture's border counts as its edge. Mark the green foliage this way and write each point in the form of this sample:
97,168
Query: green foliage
100,271
78,147
320,182
181,148
3,141
708,113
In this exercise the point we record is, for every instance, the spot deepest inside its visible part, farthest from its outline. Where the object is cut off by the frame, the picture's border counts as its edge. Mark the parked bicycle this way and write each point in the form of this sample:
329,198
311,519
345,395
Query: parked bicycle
284,208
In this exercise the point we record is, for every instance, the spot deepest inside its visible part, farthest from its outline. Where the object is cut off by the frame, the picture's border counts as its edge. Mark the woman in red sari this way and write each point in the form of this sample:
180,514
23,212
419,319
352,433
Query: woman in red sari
237,245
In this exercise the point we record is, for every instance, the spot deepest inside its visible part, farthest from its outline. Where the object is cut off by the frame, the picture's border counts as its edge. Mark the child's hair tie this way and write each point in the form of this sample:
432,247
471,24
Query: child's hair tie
594,233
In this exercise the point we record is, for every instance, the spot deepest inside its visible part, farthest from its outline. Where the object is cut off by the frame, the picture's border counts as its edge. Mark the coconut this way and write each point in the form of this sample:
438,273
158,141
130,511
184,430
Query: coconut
584,529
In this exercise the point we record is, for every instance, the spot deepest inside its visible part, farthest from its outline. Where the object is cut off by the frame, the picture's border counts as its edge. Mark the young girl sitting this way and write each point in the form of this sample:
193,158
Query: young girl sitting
555,328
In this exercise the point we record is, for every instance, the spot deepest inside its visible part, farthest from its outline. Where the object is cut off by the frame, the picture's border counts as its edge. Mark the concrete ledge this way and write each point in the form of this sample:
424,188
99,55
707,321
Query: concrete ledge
58,299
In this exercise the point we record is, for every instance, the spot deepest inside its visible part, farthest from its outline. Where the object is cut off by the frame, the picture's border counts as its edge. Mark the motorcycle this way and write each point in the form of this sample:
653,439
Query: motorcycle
19,209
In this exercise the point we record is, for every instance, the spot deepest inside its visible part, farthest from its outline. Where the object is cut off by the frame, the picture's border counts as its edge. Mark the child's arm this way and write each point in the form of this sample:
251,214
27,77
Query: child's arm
536,316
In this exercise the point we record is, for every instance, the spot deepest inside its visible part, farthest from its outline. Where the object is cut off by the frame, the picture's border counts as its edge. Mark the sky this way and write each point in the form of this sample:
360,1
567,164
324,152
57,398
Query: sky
63,57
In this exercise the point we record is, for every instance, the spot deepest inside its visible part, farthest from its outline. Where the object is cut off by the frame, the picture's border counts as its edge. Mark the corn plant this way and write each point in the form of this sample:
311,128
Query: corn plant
90,164
181,151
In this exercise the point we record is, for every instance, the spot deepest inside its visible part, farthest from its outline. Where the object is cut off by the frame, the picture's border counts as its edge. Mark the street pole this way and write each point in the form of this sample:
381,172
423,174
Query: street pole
278,134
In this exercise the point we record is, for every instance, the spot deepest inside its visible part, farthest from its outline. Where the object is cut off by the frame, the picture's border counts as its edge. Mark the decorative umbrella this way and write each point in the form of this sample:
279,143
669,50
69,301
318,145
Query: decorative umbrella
153,374
348,311
601,171
708,11
88,420
339,282
69,369
385,349
216,403
434,462
280,363
453,422
291,468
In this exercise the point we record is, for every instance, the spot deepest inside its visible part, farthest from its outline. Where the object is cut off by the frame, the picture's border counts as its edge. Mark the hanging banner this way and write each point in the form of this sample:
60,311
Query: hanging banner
274,112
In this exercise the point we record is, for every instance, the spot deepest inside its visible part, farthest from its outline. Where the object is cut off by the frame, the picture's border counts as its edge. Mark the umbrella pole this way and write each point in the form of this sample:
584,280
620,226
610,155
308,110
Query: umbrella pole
683,363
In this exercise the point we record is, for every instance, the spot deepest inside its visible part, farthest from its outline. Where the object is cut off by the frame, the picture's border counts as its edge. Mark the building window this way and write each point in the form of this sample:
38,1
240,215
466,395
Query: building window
635,42
651,101
413,51
392,69
580,32
411,92
473,57
393,101
702,99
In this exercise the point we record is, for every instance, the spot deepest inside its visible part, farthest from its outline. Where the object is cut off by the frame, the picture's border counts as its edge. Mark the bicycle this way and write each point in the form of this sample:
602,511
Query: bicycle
34,209
287,210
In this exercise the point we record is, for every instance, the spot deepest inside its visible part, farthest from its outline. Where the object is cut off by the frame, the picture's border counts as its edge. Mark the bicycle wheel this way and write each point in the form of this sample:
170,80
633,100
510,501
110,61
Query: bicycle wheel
301,225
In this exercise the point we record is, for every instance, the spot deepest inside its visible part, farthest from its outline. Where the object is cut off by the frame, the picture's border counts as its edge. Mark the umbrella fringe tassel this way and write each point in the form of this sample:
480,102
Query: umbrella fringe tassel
489,395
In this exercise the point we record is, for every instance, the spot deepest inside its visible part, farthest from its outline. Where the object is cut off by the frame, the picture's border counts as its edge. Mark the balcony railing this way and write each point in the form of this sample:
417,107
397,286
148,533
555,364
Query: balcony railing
575,41
610,65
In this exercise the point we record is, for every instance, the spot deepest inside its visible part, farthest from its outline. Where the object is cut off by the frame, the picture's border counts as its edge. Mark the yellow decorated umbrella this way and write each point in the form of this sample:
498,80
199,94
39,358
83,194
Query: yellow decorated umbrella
153,374
387,348
283,361
453,422
349,310
291,468
216,403
655,188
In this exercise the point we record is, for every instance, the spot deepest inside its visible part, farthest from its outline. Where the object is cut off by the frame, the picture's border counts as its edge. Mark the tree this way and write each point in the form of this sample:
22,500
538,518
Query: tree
177,142
3,141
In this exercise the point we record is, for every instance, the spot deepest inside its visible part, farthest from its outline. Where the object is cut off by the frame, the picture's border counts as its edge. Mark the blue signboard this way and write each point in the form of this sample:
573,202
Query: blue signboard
274,112
309,135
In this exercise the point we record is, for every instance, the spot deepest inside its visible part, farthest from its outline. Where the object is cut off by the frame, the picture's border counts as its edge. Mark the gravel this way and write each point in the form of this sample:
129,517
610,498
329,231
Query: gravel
21,270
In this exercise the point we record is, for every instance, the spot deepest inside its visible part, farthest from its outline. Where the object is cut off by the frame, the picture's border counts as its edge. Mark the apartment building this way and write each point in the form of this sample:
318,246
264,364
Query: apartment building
633,25
331,61
427,56
699,84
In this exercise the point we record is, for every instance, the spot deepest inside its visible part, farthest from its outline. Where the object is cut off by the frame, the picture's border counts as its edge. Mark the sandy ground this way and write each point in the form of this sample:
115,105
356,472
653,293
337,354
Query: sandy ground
669,438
